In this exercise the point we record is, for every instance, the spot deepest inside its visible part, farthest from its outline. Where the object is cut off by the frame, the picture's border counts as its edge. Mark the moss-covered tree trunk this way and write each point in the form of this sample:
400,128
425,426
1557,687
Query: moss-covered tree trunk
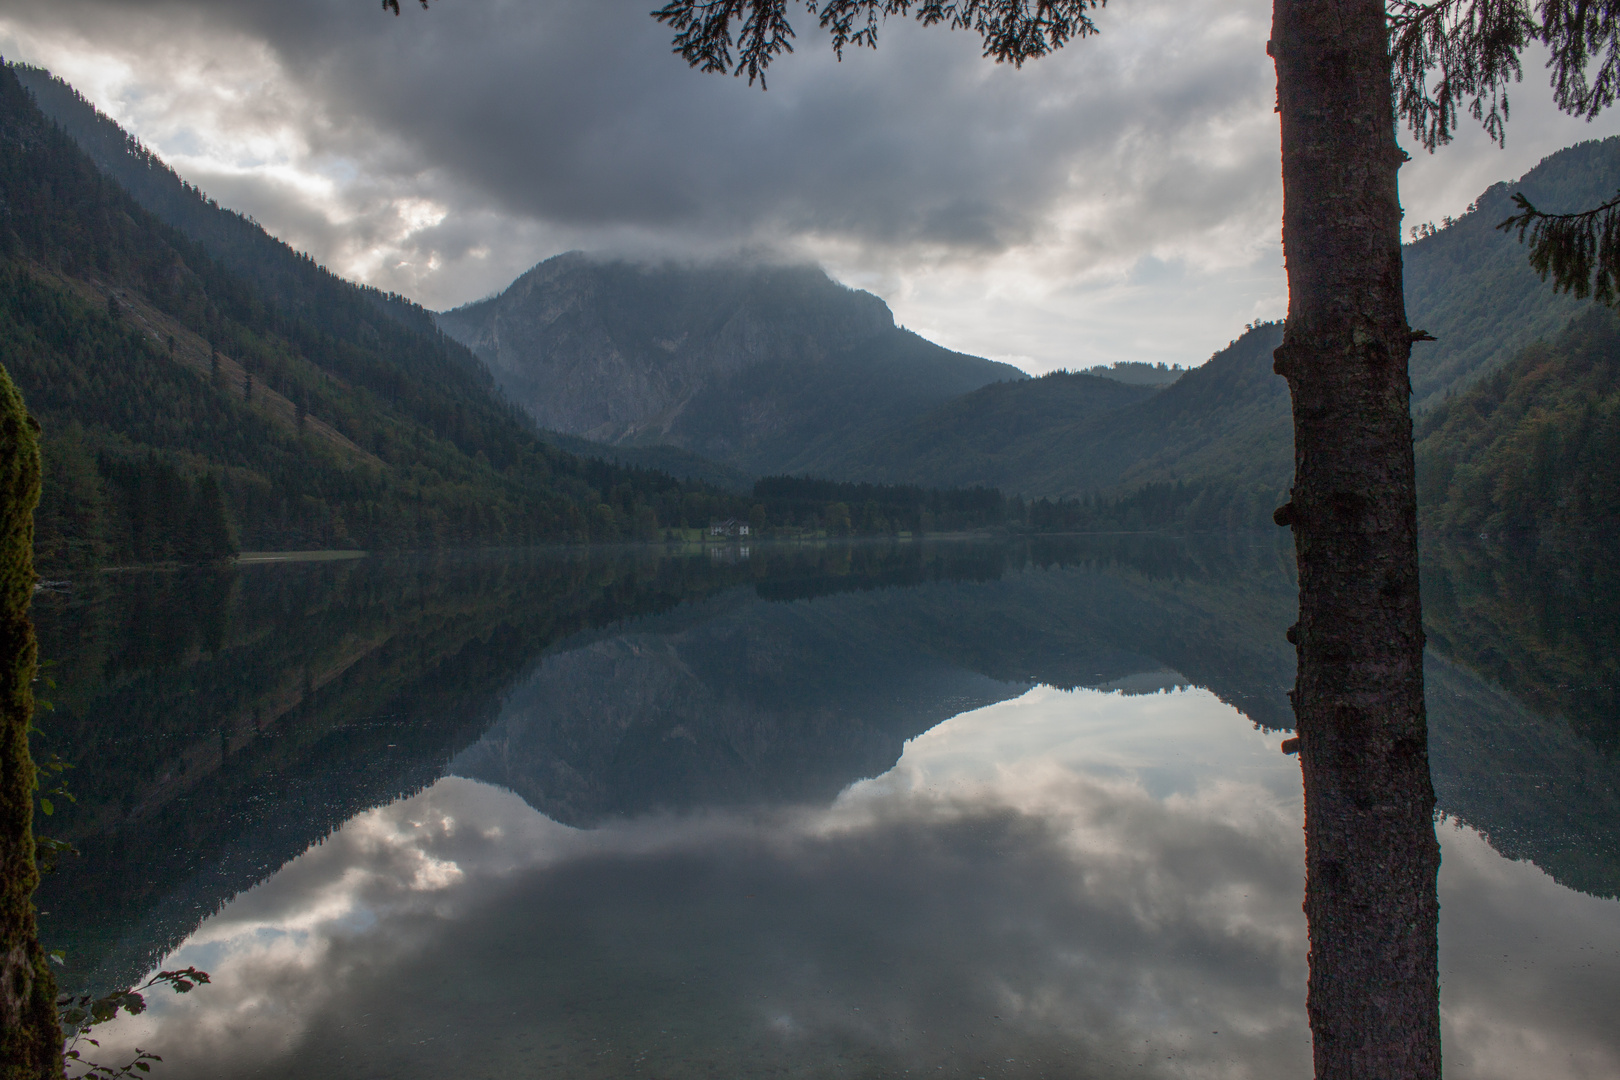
30,1039
1370,851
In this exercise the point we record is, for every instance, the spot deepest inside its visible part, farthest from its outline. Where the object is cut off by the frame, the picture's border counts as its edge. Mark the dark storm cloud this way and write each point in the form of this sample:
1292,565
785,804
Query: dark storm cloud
574,113
1002,212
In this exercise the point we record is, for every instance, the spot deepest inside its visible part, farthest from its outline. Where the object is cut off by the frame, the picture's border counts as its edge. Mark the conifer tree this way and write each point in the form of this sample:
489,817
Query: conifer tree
1345,68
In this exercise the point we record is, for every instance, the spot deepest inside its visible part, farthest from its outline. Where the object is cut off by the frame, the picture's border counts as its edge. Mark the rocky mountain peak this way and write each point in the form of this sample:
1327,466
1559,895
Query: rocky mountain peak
613,349
746,362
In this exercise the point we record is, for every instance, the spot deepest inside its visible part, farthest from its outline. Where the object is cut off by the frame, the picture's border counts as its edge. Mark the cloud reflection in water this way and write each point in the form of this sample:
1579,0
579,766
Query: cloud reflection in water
1066,884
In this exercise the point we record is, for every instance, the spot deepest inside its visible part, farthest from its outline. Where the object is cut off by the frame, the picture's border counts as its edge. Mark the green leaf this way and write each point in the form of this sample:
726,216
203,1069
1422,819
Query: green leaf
45,805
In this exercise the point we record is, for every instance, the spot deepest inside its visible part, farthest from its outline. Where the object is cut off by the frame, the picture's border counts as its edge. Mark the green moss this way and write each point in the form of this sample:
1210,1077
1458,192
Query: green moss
30,1039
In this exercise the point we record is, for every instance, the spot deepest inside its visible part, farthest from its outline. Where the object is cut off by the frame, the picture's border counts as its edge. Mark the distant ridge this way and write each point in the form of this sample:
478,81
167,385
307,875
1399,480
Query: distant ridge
1071,433
1226,425
1138,372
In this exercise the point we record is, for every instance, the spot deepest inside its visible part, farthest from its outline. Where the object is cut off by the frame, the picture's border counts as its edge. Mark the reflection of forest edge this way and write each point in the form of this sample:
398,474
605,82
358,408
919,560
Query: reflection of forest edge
259,709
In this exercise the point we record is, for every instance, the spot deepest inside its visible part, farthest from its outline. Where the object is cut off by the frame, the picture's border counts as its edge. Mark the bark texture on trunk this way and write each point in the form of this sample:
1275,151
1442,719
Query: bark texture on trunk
1371,855
30,1039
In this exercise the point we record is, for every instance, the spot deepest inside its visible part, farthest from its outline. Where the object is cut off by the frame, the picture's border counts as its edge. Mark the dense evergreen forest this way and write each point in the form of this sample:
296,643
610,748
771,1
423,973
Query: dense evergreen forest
184,412
1471,285
1532,451
1068,435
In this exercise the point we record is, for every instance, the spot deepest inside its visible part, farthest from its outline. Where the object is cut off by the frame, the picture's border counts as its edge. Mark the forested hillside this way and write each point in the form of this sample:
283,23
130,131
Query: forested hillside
1138,372
1531,452
1471,285
185,411
281,276
1016,434
1222,427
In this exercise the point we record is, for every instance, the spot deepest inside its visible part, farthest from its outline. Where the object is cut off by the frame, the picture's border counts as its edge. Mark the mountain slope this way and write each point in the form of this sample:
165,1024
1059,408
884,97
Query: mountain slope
156,369
289,279
762,367
1228,422
371,339
1013,434
1532,451
1472,286
1072,434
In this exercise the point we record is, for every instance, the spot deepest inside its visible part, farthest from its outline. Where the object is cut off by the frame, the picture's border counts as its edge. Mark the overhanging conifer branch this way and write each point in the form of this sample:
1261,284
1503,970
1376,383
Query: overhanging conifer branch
743,36
1579,32
1470,48
1446,55
1580,251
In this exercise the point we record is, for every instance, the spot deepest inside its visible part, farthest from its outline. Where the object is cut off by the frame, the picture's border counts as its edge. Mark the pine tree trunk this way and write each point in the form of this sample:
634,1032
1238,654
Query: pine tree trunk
1371,855
30,1040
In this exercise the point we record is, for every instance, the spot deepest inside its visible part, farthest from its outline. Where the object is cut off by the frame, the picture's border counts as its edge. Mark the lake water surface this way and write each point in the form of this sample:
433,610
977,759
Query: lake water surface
961,809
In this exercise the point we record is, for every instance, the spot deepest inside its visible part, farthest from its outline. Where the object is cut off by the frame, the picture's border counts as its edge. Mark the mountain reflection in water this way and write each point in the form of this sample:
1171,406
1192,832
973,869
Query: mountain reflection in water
1087,859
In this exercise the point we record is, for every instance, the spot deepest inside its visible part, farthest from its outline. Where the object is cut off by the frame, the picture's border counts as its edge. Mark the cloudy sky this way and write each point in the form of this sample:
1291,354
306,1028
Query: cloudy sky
1119,200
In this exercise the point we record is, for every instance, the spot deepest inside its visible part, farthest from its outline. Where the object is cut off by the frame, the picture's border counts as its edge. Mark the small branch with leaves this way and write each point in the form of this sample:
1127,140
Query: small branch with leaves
50,783
80,1013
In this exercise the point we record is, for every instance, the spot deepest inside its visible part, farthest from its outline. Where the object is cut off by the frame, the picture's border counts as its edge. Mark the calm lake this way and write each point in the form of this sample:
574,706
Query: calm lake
954,809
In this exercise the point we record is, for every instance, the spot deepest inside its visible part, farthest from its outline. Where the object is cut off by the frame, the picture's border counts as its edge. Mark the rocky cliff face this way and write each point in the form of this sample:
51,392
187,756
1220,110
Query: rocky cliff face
743,363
